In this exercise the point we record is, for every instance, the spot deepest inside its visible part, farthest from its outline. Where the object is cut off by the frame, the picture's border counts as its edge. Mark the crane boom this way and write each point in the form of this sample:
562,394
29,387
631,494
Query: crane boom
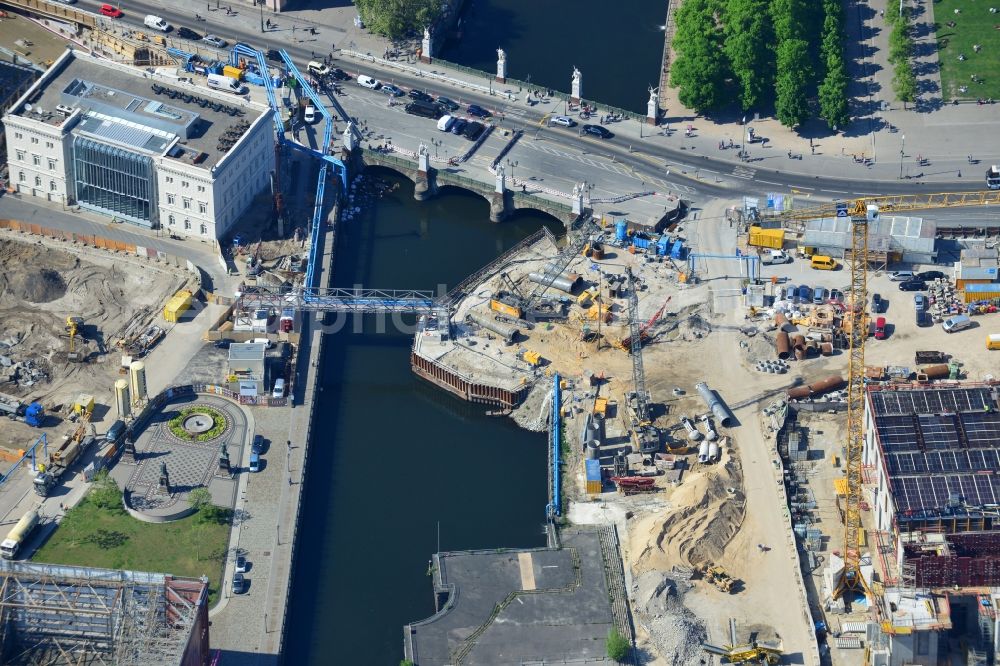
898,203
851,579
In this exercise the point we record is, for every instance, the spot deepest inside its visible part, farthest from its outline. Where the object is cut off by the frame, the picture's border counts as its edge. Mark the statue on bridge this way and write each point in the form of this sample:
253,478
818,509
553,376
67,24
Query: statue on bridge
652,106
575,89
501,65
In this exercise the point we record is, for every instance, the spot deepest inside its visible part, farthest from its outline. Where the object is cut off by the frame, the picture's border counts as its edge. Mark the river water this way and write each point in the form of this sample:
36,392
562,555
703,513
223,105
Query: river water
618,49
392,456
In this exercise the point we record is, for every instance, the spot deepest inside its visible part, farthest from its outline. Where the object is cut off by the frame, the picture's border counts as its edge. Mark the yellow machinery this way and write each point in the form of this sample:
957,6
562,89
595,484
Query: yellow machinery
754,652
72,329
508,301
719,577
898,203
851,580
531,357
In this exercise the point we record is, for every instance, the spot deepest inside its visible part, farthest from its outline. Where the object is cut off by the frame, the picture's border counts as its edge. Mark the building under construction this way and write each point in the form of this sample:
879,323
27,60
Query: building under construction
55,615
932,462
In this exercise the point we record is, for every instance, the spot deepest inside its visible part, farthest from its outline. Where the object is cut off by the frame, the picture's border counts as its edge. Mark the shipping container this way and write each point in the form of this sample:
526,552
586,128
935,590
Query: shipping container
772,238
640,242
177,305
233,72
982,292
593,470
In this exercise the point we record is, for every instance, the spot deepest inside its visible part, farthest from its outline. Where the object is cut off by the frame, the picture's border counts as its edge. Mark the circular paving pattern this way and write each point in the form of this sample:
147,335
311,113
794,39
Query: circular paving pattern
189,463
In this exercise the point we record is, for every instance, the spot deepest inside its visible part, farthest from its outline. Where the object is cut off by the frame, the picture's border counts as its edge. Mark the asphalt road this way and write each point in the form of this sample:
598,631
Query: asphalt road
652,160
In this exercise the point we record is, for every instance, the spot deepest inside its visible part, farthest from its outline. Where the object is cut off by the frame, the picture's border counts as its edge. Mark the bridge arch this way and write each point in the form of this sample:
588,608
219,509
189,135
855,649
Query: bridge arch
409,174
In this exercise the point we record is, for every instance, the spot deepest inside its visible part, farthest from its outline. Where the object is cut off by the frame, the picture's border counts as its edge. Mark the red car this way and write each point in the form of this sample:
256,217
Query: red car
880,328
111,10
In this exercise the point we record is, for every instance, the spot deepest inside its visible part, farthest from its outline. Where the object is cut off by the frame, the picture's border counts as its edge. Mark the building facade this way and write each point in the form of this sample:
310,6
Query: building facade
150,151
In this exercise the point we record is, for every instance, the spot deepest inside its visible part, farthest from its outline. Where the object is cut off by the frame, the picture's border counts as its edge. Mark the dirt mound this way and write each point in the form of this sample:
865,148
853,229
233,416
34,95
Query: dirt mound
38,286
675,631
708,514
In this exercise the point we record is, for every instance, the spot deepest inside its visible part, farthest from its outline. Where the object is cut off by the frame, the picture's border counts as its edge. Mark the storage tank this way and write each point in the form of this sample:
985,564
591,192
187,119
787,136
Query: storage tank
621,230
713,451
506,331
123,400
137,381
593,449
565,282
703,450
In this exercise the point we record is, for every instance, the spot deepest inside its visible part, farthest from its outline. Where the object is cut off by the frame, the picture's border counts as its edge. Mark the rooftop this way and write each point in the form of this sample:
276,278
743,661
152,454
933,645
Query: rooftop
247,351
941,447
139,111
886,234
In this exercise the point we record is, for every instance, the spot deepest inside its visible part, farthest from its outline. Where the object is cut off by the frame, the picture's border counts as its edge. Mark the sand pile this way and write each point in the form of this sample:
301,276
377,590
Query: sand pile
36,286
709,509
675,631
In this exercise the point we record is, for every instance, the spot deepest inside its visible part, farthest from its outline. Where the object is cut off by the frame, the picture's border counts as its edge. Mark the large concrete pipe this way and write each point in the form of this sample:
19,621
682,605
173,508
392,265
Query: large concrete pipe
938,371
824,385
782,344
781,321
798,392
798,345
714,402
565,282
506,331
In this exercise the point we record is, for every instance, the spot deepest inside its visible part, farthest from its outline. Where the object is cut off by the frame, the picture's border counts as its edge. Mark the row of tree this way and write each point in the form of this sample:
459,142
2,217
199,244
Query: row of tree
763,53
397,19
904,79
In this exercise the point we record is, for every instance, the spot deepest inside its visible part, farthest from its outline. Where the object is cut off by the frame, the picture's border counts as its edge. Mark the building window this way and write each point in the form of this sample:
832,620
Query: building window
184,183
201,188
202,207
52,186
18,135
20,176
38,181
36,160
20,155
170,179
187,203
171,199
170,220
48,144
34,139
204,230
187,224
52,164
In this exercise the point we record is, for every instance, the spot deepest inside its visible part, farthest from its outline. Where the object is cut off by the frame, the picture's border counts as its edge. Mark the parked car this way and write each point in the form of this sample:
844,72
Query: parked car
805,293
564,121
337,74
459,126
597,130
472,130
877,303
213,40
254,462
880,328
448,104
112,11
241,564
187,33
258,445
420,96
837,295
222,344
310,115
115,432
927,276
478,111
920,302
390,89
239,584
956,323
820,295
368,82
901,276
791,292
912,285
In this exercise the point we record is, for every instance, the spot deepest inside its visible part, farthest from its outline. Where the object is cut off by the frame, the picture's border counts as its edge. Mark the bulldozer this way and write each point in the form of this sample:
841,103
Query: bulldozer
717,576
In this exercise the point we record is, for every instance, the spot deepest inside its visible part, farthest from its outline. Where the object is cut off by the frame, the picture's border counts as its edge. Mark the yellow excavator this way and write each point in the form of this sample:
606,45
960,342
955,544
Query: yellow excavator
73,325
753,652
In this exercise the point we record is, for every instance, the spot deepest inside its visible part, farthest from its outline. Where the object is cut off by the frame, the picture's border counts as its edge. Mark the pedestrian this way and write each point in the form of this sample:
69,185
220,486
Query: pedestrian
810,143
524,188
813,149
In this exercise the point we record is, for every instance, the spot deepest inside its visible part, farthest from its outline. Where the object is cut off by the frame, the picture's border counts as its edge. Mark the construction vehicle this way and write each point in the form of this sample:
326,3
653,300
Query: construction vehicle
718,577
625,344
532,358
851,581
60,460
18,535
73,325
508,301
993,178
143,343
645,436
32,414
753,652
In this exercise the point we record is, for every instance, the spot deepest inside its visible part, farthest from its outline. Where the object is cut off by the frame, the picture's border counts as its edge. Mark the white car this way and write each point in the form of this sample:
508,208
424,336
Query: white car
565,121
310,115
368,82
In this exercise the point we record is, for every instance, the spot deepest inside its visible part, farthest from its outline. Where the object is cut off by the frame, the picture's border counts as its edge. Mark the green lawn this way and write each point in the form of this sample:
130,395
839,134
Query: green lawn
96,537
974,25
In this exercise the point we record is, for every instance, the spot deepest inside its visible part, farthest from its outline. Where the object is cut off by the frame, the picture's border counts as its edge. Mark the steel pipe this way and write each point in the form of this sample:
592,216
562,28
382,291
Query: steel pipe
714,402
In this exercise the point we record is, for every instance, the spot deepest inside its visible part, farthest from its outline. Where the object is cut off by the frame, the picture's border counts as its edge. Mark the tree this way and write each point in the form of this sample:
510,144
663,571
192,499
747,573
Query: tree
794,76
700,69
748,36
617,645
904,83
199,498
396,19
105,493
833,105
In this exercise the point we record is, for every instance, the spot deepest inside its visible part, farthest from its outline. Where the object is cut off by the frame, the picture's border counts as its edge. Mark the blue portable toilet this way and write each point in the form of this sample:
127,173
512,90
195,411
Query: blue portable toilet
621,230
677,251
640,242
662,245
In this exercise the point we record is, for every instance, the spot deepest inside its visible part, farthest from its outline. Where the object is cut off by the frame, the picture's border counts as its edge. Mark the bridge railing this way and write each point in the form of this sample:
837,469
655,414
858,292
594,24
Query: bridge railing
529,199
470,183
377,157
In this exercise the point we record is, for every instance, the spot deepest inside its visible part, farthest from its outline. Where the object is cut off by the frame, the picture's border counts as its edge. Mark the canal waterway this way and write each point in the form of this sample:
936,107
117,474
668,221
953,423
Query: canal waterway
617,48
393,457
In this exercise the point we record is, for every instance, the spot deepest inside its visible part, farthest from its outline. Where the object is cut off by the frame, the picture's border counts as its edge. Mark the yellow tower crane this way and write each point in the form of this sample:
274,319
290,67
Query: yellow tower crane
851,580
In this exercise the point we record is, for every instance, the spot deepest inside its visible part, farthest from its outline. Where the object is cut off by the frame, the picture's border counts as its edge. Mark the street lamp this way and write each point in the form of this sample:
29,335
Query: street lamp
262,19
512,164
902,146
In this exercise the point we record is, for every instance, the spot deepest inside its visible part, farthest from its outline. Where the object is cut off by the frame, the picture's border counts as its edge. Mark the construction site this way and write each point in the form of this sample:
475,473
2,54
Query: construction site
722,427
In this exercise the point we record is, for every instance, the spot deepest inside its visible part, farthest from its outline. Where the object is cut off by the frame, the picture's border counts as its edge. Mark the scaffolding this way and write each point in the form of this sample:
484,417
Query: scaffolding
52,614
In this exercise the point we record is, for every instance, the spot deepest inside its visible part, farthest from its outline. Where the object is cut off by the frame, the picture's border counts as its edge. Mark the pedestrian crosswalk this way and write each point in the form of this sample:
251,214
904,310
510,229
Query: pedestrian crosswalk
744,172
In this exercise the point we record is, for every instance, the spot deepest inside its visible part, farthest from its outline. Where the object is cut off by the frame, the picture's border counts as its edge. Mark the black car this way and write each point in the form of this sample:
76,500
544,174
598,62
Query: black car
459,126
258,445
448,104
912,285
596,130
927,276
273,55
876,303
478,111
473,130
187,33
420,96
337,74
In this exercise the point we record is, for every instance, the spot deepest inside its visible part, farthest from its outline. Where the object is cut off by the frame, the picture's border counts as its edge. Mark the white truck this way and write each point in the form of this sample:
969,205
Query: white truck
993,178
775,257
18,535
